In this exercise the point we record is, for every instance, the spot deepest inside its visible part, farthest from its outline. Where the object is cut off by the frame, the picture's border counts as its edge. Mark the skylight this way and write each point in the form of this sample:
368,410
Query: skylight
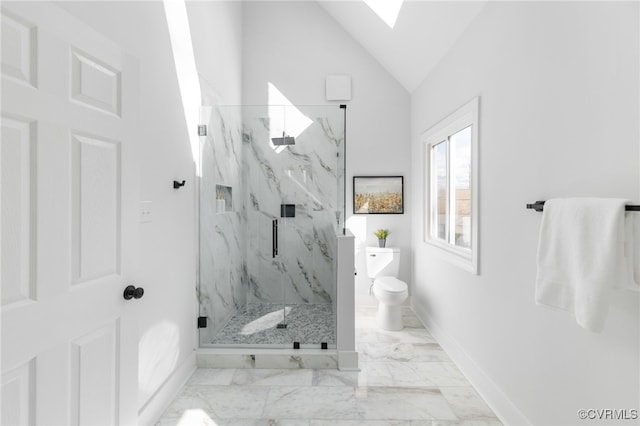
387,10
185,63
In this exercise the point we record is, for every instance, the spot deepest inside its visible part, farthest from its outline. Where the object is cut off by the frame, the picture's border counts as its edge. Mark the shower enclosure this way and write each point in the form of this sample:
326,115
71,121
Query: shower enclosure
271,202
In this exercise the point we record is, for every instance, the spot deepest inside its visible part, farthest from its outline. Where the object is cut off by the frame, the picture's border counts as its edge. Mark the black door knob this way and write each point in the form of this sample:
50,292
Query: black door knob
133,293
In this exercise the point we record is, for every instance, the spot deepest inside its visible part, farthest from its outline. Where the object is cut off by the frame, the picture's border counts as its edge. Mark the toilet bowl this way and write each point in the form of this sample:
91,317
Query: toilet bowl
391,293
382,268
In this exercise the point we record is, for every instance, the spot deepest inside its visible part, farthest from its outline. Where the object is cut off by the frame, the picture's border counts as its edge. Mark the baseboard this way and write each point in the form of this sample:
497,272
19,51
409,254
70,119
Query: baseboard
150,413
348,361
499,402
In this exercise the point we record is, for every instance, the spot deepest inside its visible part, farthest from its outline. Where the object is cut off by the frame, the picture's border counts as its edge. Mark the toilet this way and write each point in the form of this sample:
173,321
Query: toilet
383,265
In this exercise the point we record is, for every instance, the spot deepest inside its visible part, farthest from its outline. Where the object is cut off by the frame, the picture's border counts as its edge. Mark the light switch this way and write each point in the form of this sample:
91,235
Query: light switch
145,212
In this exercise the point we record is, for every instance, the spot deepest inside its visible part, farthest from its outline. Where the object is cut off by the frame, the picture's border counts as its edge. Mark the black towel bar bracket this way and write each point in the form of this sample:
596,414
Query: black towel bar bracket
539,206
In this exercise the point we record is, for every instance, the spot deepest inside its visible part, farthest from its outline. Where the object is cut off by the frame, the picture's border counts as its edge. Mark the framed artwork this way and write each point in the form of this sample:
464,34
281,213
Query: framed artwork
378,195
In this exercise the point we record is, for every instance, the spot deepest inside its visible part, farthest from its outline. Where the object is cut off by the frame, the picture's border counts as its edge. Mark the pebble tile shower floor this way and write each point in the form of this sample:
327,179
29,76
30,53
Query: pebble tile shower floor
406,379
307,324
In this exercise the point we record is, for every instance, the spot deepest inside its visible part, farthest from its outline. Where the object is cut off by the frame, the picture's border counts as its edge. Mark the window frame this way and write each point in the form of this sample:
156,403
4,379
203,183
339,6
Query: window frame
463,117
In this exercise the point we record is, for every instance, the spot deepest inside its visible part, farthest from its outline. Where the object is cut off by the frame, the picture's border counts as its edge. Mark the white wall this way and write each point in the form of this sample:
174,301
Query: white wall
558,118
295,45
167,313
216,31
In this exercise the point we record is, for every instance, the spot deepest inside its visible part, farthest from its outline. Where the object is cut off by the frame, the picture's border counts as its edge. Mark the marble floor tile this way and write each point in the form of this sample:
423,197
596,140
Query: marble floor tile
211,376
441,373
317,402
273,377
394,374
220,402
406,379
429,352
189,417
488,422
410,320
385,352
397,403
467,404
366,317
359,423
408,352
366,335
337,378
199,418
420,374
406,335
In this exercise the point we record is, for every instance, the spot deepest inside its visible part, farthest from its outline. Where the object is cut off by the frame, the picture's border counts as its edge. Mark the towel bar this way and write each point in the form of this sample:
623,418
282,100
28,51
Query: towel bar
539,206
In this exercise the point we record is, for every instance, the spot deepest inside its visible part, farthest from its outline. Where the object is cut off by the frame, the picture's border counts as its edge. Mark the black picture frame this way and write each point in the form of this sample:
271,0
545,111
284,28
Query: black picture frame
378,195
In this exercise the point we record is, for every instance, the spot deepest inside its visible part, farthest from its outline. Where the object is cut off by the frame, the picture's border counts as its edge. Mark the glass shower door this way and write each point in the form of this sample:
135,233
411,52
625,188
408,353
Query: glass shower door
265,232
271,204
295,174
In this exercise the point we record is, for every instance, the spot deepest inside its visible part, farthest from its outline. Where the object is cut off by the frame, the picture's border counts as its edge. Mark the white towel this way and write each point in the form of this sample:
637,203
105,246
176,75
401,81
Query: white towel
579,251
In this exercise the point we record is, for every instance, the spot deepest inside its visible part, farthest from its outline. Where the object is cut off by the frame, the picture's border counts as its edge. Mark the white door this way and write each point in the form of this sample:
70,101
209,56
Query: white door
68,222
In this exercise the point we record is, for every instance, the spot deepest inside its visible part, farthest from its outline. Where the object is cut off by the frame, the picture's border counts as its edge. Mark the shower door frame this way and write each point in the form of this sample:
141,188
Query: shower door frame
207,118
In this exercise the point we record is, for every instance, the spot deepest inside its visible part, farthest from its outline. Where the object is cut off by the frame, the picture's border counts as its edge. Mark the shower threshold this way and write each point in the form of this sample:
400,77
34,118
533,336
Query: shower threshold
264,358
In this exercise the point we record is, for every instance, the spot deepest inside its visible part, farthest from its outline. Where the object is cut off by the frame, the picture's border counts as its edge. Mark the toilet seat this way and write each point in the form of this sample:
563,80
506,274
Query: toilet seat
390,284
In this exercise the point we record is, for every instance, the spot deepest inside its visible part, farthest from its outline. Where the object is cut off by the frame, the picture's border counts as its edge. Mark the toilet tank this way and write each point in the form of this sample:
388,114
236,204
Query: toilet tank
383,262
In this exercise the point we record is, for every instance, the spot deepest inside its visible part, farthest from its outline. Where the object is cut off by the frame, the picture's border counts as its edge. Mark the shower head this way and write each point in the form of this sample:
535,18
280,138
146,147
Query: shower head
284,140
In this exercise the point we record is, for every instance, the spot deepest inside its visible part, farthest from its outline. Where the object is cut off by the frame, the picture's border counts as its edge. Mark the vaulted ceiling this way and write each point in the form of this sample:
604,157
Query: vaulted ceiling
424,31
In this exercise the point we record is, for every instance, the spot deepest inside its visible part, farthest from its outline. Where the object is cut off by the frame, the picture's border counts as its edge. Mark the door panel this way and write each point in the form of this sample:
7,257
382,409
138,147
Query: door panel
95,200
94,83
16,156
19,49
17,391
94,368
68,224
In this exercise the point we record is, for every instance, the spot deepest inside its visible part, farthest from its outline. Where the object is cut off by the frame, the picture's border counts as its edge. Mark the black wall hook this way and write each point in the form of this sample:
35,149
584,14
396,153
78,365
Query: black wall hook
177,184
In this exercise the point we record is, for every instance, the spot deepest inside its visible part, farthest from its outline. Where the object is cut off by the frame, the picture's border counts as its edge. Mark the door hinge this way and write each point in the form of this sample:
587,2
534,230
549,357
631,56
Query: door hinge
202,322
202,130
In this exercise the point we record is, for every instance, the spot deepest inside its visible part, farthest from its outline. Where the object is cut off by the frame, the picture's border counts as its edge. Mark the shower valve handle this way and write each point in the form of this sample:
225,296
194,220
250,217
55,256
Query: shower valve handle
131,292
274,238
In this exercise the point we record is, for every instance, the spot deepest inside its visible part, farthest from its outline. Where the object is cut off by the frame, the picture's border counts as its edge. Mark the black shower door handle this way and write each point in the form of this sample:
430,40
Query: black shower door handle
274,237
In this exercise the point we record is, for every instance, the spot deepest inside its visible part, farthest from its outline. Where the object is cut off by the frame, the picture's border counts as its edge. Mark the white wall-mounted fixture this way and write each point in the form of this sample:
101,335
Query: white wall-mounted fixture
338,88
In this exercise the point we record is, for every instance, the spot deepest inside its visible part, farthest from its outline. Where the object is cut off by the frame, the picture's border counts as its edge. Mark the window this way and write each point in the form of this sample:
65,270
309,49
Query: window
451,181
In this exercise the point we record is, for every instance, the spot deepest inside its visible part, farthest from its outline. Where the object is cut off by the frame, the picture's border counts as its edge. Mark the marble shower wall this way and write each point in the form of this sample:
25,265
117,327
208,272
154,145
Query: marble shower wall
223,285
305,174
